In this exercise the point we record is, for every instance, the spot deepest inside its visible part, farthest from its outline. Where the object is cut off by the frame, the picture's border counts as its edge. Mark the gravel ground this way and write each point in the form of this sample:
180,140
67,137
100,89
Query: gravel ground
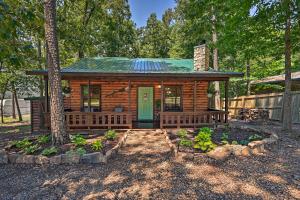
144,169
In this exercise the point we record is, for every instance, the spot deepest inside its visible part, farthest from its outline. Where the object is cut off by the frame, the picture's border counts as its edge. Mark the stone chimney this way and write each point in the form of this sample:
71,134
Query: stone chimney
201,58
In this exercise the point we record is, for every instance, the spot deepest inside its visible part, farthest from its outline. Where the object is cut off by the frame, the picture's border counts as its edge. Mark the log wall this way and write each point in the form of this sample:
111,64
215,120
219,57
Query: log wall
109,102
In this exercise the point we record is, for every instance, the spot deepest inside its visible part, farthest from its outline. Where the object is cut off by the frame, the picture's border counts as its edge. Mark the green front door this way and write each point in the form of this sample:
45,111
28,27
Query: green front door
145,103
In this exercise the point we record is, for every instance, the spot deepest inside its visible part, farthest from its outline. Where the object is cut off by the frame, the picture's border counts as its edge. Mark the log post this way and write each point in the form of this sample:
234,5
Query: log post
89,94
195,102
226,101
161,103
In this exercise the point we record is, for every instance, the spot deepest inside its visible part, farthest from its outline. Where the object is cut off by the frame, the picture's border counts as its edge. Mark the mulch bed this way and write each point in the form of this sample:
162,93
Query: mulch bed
234,134
108,144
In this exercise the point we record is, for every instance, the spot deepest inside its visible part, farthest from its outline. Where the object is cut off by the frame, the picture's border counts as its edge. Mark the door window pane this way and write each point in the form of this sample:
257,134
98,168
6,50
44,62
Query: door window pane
91,104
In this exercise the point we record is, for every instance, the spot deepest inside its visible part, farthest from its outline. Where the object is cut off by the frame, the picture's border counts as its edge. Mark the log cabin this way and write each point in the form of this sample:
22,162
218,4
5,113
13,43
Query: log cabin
117,93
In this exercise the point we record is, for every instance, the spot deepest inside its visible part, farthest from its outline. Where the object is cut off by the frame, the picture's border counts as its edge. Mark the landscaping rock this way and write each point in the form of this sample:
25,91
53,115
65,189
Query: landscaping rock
25,159
93,158
236,149
258,149
246,151
73,158
3,157
219,153
269,140
12,157
41,160
55,160
254,144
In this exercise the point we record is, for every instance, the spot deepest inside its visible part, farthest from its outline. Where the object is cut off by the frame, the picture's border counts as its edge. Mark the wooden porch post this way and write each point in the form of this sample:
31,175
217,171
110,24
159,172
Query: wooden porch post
195,102
46,95
129,103
89,94
226,100
161,103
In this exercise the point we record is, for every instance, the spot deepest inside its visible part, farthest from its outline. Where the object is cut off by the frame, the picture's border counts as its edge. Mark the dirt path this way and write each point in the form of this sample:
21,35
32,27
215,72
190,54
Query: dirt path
145,142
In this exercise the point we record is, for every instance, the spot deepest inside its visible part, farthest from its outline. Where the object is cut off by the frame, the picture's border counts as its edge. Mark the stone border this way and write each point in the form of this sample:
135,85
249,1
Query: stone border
89,158
224,151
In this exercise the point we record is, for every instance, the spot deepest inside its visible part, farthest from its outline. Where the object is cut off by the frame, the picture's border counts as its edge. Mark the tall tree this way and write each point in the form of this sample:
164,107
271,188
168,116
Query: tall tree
58,130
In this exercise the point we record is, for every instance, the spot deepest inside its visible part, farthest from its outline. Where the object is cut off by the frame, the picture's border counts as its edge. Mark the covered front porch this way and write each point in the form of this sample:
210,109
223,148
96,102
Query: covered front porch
124,110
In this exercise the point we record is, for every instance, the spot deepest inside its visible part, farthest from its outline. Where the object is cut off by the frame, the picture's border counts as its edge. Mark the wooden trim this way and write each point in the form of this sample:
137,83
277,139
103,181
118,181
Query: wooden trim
137,101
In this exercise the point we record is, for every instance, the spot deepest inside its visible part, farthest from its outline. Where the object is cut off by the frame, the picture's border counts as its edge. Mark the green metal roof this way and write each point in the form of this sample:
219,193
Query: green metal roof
127,65
117,66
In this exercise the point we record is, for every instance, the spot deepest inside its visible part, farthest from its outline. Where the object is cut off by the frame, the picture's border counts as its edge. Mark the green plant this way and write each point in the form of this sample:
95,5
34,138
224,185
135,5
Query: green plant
244,142
78,140
224,138
185,143
110,135
80,151
44,139
97,145
21,144
255,137
49,151
203,140
182,133
31,149
234,142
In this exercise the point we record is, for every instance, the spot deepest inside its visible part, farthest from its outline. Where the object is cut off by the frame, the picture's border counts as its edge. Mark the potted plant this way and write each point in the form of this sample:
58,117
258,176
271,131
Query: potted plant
66,91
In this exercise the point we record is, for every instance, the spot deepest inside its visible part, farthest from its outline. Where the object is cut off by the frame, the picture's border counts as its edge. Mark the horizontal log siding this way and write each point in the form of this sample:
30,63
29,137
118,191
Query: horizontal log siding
108,103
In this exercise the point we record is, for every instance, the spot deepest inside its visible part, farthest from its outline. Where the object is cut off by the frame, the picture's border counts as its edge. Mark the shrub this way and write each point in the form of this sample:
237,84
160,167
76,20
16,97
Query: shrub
31,149
186,143
224,138
44,139
80,151
244,142
97,145
110,135
234,142
255,137
78,140
21,144
203,140
49,151
182,133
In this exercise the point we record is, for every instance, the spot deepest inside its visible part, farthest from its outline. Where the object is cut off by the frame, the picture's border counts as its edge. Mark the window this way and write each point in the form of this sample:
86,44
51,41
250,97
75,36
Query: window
90,99
173,98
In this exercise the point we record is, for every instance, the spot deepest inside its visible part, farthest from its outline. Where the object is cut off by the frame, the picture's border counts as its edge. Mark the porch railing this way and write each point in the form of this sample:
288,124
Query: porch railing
95,120
192,119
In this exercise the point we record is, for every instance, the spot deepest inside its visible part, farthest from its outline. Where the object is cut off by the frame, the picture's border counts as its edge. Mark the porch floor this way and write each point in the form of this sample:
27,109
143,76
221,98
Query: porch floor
145,125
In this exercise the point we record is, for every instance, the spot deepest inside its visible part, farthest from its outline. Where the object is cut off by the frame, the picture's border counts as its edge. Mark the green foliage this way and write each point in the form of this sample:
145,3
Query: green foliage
203,140
225,136
21,144
49,151
31,149
97,145
255,137
186,143
44,139
110,135
78,140
244,142
182,133
81,151
234,142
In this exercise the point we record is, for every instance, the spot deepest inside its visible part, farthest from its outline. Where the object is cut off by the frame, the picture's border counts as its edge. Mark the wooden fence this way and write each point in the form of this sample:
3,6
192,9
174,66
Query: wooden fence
272,102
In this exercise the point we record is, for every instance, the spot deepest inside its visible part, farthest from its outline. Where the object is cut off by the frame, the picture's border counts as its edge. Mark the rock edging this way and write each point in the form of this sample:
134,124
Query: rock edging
74,158
172,146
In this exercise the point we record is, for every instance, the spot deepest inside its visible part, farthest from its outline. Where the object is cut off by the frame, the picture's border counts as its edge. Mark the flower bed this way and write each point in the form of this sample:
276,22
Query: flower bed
221,142
93,148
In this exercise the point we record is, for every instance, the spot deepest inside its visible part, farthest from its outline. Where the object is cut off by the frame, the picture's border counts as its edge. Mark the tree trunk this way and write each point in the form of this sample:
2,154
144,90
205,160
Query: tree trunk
13,106
215,61
15,97
287,100
1,106
39,46
58,130
248,77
